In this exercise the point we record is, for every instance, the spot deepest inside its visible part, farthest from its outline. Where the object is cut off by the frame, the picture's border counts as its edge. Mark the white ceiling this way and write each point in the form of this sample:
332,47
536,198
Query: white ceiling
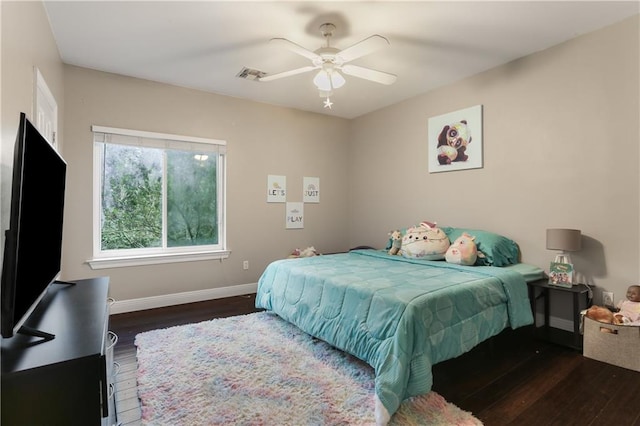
204,45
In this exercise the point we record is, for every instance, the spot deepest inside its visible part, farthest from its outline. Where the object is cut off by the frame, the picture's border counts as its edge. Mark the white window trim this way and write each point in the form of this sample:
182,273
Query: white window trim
154,135
123,262
167,256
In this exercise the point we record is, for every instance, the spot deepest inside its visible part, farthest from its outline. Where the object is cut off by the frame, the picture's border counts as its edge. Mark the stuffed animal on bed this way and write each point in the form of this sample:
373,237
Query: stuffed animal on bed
456,136
308,252
396,241
463,251
425,241
629,309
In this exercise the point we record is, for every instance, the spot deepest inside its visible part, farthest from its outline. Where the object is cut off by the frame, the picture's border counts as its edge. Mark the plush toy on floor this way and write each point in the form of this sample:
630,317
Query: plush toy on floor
463,251
396,241
629,309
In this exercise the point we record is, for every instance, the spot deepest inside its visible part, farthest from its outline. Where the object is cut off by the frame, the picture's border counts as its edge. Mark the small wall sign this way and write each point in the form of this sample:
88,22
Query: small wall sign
311,189
295,215
276,189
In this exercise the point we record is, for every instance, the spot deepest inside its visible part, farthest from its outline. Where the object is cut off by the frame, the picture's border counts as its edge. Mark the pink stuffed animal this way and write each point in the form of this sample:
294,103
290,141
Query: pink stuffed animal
463,251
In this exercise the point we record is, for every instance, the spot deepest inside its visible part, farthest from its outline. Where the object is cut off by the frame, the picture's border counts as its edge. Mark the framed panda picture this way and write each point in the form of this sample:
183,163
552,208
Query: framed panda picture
455,140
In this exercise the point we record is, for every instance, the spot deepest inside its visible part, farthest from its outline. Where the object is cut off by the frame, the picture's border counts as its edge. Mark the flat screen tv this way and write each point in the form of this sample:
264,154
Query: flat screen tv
33,243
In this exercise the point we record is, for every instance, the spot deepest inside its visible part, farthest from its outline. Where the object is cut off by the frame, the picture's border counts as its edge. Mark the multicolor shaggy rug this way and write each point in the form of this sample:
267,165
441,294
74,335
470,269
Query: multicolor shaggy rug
257,369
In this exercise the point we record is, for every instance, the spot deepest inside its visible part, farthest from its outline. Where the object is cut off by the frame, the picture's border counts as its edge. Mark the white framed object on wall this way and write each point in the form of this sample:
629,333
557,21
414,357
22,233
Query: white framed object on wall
295,215
455,140
45,109
311,189
276,189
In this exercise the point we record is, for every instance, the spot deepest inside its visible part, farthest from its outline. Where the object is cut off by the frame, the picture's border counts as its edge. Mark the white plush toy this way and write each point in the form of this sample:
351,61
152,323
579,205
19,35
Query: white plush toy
425,241
308,252
396,242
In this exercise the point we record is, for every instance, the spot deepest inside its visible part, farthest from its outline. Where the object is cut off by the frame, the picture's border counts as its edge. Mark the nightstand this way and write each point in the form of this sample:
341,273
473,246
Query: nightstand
562,337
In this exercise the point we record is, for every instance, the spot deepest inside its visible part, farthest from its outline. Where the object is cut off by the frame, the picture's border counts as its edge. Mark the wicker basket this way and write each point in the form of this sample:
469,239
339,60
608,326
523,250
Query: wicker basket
614,344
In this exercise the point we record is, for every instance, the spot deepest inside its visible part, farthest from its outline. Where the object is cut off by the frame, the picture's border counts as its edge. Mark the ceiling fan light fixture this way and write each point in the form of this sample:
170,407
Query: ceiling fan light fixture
327,80
337,80
331,63
322,81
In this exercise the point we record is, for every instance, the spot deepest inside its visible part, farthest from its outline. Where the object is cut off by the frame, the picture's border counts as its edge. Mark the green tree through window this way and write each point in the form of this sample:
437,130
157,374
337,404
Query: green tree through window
137,184
158,198
191,199
131,197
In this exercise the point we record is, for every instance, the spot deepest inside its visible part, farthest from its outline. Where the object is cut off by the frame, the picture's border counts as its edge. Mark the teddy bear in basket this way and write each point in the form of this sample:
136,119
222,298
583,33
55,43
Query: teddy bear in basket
602,314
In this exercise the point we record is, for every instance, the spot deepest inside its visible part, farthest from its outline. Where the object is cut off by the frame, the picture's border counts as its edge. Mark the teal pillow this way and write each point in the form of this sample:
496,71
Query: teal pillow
497,249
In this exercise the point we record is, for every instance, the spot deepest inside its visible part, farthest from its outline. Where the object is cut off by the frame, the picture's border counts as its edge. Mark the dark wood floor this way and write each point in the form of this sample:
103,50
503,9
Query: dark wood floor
513,379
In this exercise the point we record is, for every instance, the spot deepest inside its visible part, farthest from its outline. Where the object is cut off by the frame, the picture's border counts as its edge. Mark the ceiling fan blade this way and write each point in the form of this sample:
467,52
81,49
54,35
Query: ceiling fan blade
369,74
270,77
295,48
364,47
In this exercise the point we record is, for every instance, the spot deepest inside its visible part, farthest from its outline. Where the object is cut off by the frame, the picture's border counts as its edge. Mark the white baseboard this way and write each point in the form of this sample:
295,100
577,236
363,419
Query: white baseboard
131,305
555,322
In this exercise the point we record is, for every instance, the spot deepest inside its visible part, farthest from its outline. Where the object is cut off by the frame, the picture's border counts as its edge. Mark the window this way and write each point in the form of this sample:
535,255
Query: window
157,198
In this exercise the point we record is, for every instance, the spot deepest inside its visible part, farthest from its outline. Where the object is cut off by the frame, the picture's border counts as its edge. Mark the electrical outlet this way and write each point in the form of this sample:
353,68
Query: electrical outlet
607,298
245,265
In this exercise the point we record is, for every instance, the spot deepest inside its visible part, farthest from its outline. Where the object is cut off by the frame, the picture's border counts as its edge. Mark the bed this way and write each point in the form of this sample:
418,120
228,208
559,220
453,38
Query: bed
399,315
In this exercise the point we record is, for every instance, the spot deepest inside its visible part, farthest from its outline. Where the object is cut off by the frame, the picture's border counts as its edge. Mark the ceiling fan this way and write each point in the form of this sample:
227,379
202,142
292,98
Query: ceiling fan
330,61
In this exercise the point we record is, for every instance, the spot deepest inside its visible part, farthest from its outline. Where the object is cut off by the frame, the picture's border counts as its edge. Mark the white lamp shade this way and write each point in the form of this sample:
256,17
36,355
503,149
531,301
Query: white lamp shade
322,82
328,80
564,239
337,80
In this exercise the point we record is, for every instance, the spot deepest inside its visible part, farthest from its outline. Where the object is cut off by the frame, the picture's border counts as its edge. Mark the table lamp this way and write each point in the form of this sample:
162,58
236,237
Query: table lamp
565,240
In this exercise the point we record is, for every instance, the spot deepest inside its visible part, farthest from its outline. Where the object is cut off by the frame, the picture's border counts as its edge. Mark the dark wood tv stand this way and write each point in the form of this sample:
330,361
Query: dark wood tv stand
66,380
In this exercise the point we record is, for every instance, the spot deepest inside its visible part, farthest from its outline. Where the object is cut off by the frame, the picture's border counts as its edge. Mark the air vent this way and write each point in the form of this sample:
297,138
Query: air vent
250,74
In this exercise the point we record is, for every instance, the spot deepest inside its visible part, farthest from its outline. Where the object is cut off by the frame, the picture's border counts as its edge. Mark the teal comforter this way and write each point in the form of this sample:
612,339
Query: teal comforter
399,315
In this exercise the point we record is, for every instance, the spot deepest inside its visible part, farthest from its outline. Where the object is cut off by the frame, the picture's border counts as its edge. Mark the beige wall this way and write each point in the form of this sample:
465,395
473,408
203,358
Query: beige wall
27,42
561,149
261,140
